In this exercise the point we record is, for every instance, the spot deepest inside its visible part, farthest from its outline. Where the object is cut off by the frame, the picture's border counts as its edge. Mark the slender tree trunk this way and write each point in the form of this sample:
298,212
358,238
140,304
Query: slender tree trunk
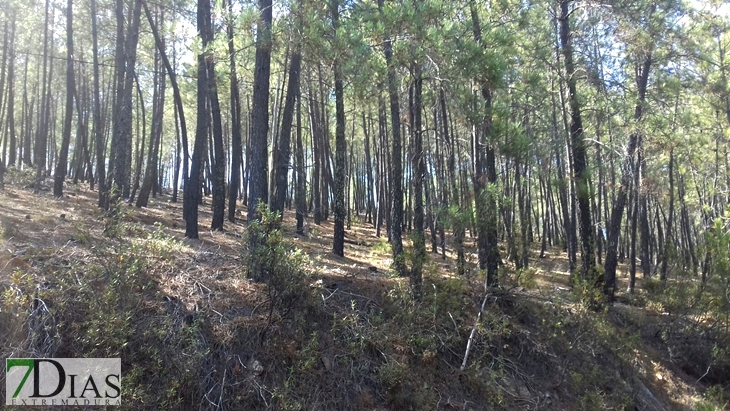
219,159
260,116
123,130
383,202
418,166
668,241
618,206
646,254
458,227
176,96
634,221
178,149
193,187
580,166
26,122
284,152
11,92
236,147
369,172
3,65
142,115
62,164
338,244
396,173
686,228
99,144
522,257
158,109
42,132
485,176
301,191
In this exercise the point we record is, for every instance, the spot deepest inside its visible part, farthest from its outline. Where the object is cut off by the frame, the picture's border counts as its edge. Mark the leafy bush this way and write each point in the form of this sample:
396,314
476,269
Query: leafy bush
16,176
276,262
524,277
589,291
114,217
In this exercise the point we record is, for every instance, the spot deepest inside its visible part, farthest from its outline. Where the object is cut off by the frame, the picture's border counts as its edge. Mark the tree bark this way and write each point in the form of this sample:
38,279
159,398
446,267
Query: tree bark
301,190
99,142
62,163
396,173
11,92
580,164
123,127
338,243
175,92
614,228
236,147
485,176
219,159
42,132
258,166
284,152
418,166
158,108
193,189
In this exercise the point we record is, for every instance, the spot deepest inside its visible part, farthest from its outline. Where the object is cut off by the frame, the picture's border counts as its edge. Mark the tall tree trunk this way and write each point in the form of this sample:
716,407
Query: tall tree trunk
485,176
523,256
11,93
193,189
418,166
158,109
123,128
383,202
236,147
396,173
3,66
369,170
260,116
338,242
690,253
456,217
315,134
580,164
301,190
99,144
634,222
140,146
118,87
62,164
26,123
176,94
563,184
219,164
284,151
42,132
176,161
614,228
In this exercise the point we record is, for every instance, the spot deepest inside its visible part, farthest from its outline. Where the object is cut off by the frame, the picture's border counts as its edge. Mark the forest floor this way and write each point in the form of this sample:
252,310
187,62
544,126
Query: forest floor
194,333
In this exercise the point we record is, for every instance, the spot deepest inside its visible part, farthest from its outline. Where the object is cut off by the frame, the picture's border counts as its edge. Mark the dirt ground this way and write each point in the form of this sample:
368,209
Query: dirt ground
41,234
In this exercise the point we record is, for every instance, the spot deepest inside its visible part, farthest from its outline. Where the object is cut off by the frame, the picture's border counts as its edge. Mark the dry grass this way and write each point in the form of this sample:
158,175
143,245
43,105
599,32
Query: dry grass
362,344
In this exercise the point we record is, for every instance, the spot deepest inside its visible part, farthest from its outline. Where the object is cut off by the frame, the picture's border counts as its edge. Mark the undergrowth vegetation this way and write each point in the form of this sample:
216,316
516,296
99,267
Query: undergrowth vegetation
293,339
108,305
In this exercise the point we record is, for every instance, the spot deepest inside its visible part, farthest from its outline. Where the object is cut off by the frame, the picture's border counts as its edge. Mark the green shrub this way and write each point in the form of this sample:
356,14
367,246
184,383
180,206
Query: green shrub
283,267
589,291
16,176
114,217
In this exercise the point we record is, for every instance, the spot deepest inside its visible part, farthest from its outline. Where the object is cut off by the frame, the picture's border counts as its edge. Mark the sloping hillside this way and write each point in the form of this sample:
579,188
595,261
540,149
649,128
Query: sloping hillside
324,333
